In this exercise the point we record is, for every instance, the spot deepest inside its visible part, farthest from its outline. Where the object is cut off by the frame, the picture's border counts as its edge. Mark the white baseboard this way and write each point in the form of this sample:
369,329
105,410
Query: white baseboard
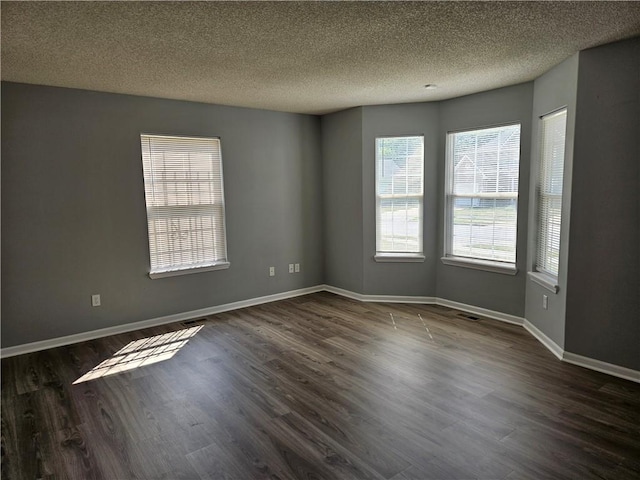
597,365
154,322
604,367
503,317
552,346
586,362
379,298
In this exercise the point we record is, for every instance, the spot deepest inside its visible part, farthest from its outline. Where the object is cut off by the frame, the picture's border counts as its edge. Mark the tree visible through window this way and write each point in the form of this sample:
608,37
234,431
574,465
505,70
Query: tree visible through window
482,194
399,194
185,204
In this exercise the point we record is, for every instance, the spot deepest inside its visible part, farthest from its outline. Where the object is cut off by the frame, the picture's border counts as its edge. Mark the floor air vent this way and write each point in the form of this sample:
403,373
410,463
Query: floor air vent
197,321
468,316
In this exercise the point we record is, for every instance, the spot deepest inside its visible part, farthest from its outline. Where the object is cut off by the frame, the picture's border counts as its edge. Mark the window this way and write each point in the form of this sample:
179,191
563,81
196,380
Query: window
185,204
399,194
552,133
482,198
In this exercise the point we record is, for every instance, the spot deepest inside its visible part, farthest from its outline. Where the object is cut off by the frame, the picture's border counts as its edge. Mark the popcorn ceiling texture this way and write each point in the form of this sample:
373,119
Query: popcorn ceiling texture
307,57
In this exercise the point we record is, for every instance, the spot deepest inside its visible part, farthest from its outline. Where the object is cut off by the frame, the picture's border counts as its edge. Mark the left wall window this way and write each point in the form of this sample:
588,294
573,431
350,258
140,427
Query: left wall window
184,195
399,167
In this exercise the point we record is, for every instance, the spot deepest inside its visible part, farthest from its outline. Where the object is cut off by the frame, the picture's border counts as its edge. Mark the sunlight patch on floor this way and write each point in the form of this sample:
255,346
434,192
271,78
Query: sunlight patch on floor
139,353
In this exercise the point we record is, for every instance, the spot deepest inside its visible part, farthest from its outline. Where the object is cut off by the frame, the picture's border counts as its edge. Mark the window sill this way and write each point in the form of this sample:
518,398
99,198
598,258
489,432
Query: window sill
398,257
545,281
189,271
486,265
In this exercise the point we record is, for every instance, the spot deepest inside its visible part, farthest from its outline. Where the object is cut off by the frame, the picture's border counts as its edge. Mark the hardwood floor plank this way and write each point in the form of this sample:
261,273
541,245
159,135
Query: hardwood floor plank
317,387
434,469
301,434
22,438
75,457
214,462
322,414
243,428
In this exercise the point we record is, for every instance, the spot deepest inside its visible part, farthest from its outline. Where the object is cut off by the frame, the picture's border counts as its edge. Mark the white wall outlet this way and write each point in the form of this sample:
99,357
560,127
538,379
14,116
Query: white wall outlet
272,271
95,300
297,267
545,302
291,268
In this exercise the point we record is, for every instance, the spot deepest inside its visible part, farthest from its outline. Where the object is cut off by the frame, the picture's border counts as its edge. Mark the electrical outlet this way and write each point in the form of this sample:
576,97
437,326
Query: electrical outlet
95,300
272,271
291,268
545,302
297,267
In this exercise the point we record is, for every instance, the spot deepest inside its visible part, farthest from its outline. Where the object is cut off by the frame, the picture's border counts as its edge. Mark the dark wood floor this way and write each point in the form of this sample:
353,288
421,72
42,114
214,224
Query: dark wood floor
317,387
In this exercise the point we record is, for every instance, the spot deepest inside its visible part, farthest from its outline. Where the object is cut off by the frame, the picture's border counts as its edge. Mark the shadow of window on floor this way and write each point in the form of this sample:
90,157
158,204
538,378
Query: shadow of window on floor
139,353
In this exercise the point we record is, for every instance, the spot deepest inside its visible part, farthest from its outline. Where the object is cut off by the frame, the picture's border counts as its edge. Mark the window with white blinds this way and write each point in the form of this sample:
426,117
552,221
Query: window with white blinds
552,135
399,194
481,190
185,204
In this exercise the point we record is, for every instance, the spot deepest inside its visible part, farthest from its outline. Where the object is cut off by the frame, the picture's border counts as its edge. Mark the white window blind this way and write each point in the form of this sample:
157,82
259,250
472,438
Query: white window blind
482,194
553,132
399,194
185,203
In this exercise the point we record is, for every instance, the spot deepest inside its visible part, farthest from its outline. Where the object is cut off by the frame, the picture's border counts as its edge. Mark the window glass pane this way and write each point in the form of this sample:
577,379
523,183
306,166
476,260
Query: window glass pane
185,202
400,225
482,193
552,147
486,161
399,190
485,229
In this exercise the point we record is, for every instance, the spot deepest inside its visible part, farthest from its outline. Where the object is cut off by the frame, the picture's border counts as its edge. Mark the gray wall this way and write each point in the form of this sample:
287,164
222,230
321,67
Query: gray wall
73,212
342,180
494,291
349,189
603,293
552,91
301,189
400,278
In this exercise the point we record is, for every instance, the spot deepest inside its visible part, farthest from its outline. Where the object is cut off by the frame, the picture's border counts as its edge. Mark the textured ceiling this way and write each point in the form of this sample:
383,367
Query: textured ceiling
308,57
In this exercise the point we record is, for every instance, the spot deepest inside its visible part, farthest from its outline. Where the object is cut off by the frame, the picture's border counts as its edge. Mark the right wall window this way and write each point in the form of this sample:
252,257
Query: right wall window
552,136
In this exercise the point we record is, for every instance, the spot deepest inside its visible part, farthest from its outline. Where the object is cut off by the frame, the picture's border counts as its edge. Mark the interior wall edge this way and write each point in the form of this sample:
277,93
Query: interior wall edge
545,340
579,360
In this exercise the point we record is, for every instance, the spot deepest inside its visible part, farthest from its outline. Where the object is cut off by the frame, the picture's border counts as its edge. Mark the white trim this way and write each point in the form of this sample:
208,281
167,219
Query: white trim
603,367
560,354
399,257
486,265
188,271
590,363
419,197
379,298
344,293
552,346
502,317
544,281
129,327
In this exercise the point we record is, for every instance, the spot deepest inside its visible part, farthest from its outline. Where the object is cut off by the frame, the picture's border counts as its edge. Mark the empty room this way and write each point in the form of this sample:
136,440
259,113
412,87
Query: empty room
320,240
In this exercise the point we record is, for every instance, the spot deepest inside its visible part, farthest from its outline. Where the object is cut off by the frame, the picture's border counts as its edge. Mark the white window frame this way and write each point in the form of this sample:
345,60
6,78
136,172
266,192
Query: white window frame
398,256
172,195
490,265
548,240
